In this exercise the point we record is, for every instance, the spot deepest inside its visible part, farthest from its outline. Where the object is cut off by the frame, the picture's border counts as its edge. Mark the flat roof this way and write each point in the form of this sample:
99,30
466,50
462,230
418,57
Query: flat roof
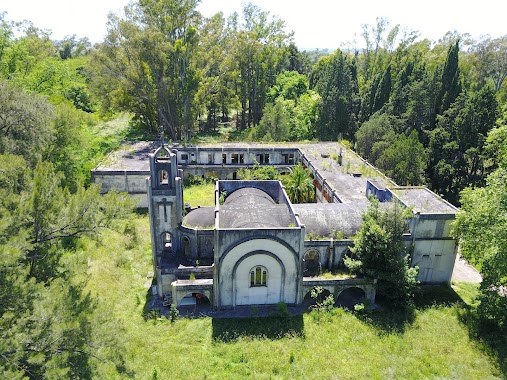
348,179
423,200
130,156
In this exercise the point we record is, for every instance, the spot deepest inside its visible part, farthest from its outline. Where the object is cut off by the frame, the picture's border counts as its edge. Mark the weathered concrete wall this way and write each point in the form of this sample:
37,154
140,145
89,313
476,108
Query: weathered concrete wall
435,259
232,156
234,266
133,183
199,244
330,251
433,226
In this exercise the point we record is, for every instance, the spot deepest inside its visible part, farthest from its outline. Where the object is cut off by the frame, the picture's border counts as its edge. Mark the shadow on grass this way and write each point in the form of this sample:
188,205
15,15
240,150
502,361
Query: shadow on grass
141,211
135,133
388,319
152,309
231,329
492,340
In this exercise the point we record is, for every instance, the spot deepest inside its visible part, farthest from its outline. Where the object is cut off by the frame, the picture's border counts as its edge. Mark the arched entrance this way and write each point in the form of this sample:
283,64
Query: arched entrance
311,264
315,296
350,297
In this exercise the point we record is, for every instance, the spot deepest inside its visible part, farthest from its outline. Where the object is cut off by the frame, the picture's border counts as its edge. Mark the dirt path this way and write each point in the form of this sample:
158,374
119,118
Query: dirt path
464,272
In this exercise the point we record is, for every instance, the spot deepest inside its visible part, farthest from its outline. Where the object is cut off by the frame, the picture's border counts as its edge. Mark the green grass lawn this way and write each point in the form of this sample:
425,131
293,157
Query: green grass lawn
431,343
200,195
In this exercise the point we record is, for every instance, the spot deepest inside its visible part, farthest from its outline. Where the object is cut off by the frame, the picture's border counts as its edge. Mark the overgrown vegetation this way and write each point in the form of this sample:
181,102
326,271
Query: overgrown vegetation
379,253
72,270
481,227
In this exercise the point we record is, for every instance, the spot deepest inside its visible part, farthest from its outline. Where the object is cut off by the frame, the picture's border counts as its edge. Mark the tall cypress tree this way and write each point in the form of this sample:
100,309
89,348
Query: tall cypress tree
383,91
450,84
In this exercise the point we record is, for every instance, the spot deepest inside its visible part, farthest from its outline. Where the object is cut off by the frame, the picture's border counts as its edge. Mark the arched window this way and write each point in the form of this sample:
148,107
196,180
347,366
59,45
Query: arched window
311,263
258,276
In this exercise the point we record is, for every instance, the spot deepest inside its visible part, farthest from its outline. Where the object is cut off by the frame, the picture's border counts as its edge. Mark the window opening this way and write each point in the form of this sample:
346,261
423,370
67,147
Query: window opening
167,241
164,177
234,158
258,276
262,158
224,158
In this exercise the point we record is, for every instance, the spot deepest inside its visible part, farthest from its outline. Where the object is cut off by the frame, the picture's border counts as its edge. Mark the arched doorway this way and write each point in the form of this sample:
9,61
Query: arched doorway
350,297
311,264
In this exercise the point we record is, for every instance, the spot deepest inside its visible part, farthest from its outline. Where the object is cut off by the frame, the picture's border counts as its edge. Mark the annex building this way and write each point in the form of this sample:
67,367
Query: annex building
254,247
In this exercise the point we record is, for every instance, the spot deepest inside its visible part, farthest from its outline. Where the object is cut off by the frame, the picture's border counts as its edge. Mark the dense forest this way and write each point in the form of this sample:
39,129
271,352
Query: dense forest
424,112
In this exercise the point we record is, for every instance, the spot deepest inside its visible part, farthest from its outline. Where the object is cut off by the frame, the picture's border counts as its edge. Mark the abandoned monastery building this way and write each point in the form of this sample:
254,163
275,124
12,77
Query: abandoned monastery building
254,247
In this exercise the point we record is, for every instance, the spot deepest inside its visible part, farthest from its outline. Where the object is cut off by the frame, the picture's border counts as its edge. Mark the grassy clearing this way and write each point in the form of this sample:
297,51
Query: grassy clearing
200,195
430,343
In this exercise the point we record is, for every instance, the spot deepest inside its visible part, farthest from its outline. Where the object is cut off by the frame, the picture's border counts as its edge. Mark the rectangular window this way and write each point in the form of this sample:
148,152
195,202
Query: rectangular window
258,276
263,158
241,158
210,158
184,157
224,158
234,158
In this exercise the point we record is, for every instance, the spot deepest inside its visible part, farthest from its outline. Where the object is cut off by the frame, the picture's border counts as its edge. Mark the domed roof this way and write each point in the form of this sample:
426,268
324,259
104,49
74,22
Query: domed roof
249,195
200,217
327,219
250,207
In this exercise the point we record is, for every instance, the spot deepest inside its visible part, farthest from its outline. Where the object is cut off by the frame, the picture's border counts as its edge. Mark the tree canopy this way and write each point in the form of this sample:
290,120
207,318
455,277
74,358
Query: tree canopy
380,253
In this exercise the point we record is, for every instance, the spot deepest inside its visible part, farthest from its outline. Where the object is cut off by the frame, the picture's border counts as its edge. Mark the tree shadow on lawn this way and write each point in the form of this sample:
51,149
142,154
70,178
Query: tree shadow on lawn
492,341
273,327
388,319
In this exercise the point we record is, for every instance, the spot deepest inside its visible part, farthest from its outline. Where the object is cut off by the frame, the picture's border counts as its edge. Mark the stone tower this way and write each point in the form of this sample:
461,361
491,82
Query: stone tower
165,205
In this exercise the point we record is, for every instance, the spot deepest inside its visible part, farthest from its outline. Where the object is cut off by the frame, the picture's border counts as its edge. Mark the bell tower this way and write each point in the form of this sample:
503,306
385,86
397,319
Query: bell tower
165,205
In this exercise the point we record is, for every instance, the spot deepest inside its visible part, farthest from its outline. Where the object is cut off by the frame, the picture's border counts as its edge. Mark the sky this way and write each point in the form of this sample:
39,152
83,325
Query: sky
316,23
